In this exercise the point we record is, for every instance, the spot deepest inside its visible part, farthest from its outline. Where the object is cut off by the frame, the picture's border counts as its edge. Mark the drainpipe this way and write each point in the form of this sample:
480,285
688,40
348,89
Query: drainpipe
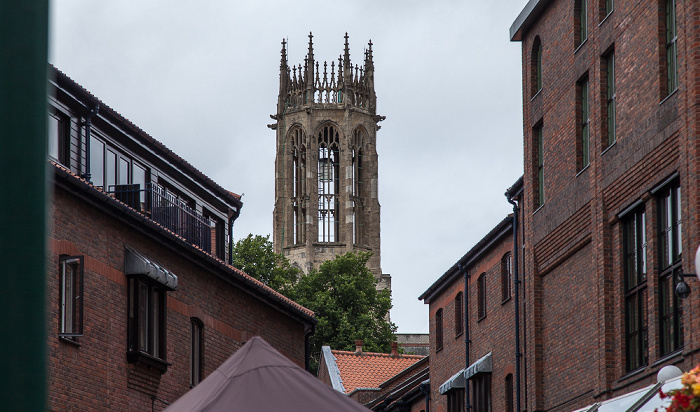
425,390
467,341
88,126
232,216
516,282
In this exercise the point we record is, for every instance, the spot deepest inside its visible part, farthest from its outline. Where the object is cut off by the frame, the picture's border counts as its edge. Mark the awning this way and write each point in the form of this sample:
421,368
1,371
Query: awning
455,382
483,365
138,264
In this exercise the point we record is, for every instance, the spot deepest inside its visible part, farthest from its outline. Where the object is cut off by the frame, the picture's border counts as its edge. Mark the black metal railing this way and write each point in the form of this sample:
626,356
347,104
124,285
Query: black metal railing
167,209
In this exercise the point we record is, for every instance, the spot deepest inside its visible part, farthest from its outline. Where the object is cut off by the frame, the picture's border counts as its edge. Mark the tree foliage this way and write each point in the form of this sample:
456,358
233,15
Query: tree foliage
255,256
342,293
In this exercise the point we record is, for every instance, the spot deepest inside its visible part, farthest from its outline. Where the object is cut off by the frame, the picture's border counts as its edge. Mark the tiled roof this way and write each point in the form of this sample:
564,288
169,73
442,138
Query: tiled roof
368,369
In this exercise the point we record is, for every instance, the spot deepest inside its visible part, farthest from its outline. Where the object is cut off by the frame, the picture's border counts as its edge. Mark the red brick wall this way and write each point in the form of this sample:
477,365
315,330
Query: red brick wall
494,333
96,375
574,301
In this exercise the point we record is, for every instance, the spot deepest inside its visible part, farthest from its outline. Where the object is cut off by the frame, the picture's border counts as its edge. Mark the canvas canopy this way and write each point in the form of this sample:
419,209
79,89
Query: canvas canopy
257,378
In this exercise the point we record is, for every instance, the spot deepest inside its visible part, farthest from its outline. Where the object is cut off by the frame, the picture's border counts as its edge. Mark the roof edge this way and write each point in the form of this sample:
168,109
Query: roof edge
532,11
332,367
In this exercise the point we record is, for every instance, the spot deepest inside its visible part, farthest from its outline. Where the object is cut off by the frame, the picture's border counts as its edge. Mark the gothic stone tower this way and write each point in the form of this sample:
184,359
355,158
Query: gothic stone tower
326,163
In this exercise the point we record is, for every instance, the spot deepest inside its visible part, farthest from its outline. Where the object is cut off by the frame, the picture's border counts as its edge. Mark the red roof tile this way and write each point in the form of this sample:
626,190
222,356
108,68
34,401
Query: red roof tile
368,369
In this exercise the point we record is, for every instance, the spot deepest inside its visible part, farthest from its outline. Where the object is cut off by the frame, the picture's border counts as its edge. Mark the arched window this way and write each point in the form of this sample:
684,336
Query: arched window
536,66
438,329
506,276
481,287
459,314
328,184
509,392
196,352
298,149
358,194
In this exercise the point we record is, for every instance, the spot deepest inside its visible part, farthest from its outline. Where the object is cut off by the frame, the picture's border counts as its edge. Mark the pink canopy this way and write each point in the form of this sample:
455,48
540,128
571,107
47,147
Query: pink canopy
257,378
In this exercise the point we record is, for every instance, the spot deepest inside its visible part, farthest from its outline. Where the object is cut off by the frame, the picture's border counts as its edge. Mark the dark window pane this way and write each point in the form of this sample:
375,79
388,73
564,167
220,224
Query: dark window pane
123,171
97,156
110,170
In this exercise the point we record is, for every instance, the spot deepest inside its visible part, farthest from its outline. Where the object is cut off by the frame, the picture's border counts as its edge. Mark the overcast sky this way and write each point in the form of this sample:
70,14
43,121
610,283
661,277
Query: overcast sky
203,77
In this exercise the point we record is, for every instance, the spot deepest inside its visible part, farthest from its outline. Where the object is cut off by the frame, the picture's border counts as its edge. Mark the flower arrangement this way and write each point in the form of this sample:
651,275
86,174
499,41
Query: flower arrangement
687,398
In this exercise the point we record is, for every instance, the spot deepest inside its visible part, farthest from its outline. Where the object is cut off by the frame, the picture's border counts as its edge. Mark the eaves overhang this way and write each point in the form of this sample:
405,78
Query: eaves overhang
527,18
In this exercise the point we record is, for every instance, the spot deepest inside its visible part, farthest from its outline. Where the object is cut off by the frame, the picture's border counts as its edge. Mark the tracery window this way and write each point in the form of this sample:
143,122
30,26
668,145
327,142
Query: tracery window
299,198
358,195
328,184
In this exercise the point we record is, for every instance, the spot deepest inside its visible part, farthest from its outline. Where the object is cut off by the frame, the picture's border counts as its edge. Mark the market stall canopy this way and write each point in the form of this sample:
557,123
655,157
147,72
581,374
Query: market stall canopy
257,378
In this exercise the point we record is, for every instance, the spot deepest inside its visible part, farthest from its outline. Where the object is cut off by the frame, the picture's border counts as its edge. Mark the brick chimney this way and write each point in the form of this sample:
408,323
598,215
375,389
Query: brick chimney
358,347
395,349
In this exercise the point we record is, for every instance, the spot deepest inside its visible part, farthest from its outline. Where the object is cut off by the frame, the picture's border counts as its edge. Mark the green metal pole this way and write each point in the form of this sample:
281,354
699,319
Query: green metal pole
23,188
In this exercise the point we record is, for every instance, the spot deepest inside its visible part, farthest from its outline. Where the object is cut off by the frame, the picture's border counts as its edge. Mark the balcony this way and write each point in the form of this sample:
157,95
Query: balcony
165,208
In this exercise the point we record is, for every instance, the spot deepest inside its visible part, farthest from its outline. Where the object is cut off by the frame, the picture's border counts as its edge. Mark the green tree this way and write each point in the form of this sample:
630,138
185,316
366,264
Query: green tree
255,256
343,295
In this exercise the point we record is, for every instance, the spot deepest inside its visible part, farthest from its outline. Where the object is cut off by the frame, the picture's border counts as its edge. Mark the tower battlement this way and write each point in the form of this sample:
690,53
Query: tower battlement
344,85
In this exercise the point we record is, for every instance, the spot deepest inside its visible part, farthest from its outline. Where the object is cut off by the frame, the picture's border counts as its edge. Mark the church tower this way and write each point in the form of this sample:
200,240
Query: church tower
326,162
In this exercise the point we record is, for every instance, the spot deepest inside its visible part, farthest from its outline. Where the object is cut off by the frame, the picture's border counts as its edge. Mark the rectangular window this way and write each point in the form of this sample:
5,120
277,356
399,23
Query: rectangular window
671,47
147,309
455,400
481,287
196,352
583,145
609,87
97,161
58,135
580,22
459,314
606,7
539,166
438,329
670,265
110,170
71,296
481,384
635,268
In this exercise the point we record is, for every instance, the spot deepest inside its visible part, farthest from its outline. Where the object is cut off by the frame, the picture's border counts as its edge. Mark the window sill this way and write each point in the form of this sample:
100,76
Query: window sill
459,334
481,318
583,170
606,18
146,359
536,94
581,45
609,147
666,358
69,341
669,96
506,300
538,208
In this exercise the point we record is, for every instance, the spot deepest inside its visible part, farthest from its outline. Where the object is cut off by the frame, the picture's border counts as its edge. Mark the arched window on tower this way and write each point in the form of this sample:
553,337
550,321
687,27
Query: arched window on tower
299,198
328,184
358,194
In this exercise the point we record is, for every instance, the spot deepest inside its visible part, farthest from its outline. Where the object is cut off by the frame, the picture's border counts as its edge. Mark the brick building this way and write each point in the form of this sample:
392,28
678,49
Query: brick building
472,329
141,302
611,202
610,218
326,166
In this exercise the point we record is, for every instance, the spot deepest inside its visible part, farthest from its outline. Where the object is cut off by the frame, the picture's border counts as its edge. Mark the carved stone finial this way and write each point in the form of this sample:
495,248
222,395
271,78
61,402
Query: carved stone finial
347,51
